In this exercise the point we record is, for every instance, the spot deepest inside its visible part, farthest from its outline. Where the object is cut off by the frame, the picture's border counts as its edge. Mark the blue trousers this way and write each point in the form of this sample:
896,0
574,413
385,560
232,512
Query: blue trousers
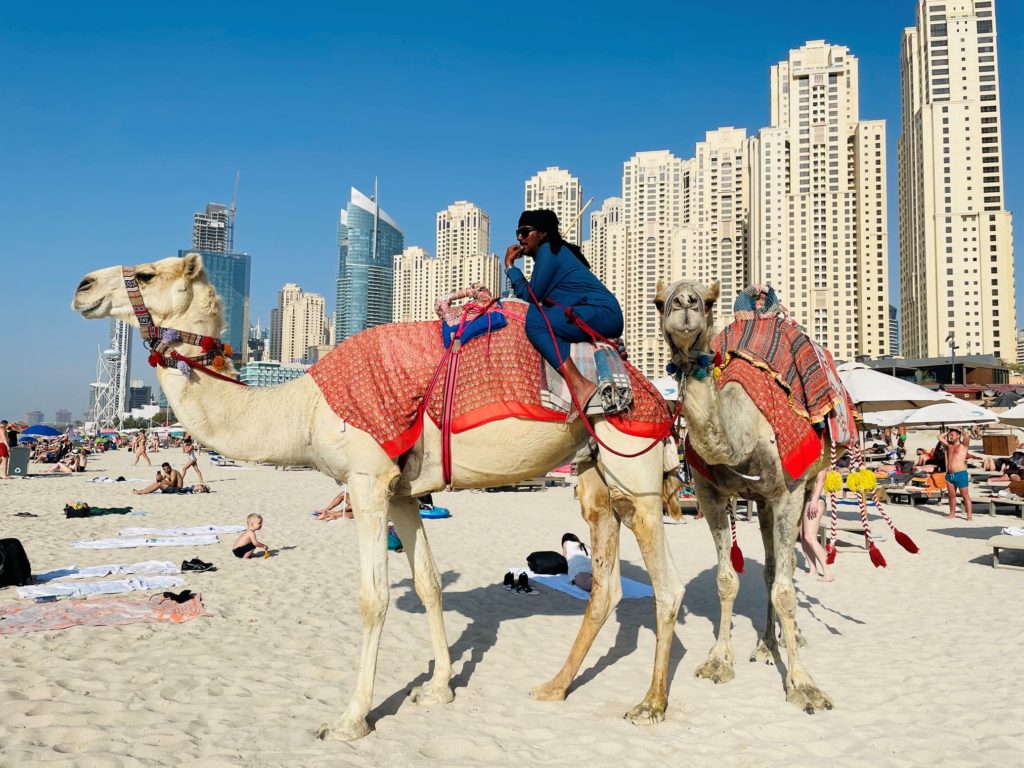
608,322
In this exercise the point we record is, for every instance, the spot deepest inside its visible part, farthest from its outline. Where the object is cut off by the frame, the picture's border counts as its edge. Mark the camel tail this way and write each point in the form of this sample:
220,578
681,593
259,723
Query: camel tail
670,487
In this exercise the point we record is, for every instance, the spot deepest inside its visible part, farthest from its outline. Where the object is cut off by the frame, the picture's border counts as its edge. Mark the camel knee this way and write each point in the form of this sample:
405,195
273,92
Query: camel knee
728,584
784,599
373,606
623,504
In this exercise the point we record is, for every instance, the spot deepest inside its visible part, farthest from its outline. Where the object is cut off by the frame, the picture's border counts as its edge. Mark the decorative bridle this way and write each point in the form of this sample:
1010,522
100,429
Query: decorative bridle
697,363
159,341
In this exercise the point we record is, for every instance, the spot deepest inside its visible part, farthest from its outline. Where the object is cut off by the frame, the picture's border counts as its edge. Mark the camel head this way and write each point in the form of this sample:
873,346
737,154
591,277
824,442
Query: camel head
686,316
176,292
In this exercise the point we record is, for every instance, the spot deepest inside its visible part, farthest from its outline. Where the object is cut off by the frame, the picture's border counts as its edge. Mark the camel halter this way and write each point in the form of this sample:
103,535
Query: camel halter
159,340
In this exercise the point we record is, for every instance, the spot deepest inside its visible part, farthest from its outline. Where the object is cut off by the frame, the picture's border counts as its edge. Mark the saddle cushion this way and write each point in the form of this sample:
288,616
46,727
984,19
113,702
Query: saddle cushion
377,379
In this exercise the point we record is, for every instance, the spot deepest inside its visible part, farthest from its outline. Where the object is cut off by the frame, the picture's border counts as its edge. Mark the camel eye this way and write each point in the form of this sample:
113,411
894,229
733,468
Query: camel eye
144,277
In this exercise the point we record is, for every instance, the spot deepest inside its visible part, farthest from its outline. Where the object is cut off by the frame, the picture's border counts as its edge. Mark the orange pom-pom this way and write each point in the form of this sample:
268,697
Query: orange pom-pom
228,351
218,363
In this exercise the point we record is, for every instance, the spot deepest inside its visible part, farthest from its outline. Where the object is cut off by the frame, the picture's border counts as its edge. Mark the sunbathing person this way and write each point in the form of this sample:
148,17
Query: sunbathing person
341,501
168,480
578,558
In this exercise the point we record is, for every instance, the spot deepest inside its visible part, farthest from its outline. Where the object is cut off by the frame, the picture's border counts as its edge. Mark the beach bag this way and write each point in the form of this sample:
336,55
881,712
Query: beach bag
15,570
78,509
547,563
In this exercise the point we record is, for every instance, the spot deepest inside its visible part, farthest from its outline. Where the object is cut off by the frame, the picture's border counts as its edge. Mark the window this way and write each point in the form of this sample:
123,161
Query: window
939,30
984,26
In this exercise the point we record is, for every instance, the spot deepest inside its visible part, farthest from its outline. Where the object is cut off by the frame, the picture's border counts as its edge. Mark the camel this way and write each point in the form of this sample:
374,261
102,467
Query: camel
292,424
736,442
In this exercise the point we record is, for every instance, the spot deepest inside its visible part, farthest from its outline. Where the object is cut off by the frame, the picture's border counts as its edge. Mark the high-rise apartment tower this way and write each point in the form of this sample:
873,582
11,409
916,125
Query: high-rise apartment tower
956,237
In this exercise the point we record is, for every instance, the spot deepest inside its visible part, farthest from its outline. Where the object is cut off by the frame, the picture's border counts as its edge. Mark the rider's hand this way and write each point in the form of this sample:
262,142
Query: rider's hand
513,253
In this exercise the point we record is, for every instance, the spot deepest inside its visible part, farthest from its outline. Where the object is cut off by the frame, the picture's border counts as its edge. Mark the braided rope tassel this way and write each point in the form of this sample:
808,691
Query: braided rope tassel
876,555
735,554
830,550
901,538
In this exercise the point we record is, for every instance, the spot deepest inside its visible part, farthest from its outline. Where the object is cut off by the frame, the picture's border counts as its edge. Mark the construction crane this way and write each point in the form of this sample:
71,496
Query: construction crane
231,216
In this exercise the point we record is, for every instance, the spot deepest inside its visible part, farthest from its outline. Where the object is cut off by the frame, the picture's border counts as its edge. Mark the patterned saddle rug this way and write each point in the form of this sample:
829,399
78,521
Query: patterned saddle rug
794,382
377,379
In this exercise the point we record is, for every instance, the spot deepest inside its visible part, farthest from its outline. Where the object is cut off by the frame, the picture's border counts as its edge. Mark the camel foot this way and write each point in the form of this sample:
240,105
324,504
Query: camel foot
549,691
343,730
432,693
808,697
764,654
646,713
716,669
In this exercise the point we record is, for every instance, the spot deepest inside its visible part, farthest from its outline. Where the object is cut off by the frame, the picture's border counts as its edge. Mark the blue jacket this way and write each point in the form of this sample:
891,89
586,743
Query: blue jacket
562,279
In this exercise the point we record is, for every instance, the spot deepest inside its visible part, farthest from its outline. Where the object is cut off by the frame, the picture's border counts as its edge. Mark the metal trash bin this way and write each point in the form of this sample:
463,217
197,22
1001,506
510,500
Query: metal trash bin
18,463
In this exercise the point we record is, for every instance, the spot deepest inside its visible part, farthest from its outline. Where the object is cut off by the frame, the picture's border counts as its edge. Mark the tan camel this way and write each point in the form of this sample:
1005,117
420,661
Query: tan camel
729,432
293,424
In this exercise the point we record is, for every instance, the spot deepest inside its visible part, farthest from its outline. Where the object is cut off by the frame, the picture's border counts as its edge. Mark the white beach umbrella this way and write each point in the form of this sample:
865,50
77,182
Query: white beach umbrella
952,411
874,391
668,387
1014,417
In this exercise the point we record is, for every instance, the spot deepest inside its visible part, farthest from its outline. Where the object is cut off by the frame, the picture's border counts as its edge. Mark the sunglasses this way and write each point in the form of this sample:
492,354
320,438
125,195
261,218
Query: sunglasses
524,232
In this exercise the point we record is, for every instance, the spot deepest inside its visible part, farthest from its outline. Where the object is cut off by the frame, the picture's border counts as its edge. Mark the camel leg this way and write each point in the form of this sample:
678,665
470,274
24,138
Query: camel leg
768,646
719,665
642,514
405,514
800,688
607,588
369,502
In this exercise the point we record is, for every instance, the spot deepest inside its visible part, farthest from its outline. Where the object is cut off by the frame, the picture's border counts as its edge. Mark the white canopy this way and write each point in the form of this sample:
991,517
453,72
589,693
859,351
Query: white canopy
950,410
1014,417
875,391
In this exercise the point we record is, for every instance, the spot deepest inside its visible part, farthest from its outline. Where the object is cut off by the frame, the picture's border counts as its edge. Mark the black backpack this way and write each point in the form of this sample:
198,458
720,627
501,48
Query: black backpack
547,563
15,570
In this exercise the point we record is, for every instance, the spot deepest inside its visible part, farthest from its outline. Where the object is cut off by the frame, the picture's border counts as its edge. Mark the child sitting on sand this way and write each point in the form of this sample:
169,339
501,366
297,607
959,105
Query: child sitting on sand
247,546
578,557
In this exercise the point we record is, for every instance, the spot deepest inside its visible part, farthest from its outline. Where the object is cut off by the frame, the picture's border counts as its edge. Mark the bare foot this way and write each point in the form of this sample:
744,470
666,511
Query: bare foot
827,578
951,517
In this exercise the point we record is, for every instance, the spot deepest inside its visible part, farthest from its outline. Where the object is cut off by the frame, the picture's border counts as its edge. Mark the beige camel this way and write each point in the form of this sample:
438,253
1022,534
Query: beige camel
293,424
729,432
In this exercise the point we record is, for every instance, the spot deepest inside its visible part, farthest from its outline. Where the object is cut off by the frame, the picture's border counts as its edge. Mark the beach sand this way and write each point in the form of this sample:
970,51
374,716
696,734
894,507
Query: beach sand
920,658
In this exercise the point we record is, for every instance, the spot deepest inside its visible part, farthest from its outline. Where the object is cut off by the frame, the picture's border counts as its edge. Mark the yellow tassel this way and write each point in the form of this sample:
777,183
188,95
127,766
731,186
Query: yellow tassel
833,482
853,481
716,372
868,481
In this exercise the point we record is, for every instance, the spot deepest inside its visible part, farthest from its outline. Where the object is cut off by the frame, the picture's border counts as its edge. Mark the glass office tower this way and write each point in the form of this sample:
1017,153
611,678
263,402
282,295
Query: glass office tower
365,272
229,274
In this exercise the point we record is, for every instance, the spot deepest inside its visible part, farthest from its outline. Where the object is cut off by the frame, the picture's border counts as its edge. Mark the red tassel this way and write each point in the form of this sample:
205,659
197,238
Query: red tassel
876,556
830,554
155,359
737,558
906,542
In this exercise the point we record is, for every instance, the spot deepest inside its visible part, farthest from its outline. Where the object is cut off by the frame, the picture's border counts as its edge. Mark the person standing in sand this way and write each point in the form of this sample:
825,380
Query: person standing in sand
189,448
814,510
5,453
139,445
957,478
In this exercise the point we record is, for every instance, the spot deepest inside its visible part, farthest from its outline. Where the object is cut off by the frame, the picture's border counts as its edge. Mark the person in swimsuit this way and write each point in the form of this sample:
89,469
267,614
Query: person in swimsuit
810,522
247,546
957,479
5,453
189,449
139,444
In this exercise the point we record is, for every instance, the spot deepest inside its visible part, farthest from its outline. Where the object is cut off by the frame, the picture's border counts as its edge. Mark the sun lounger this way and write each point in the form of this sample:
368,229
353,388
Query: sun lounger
991,500
1005,541
912,495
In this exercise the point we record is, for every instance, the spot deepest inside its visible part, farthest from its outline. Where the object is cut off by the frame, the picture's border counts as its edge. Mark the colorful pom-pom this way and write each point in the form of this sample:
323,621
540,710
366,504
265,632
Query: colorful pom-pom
868,481
833,482
906,542
218,363
716,372
170,334
736,557
206,343
154,359
184,367
853,482
228,350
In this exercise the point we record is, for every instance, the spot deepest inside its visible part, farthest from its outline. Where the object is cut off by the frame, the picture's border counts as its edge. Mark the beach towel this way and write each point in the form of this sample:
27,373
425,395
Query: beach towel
20,619
630,589
197,530
113,569
115,480
1013,531
376,381
126,543
85,588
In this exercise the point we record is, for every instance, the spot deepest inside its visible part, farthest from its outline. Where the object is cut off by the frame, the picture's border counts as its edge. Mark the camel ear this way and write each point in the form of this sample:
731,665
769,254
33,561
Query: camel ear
711,296
192,266
660,296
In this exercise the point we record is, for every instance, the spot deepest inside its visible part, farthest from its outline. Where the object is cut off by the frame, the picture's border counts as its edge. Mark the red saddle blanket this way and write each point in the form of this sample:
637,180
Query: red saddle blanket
377,379
791,379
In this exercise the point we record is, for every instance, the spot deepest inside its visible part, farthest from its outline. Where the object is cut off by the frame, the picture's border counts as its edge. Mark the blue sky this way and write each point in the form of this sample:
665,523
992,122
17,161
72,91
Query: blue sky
121,120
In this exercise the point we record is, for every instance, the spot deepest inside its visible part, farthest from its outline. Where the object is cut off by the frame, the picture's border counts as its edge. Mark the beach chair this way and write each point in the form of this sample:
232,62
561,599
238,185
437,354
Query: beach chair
1005,541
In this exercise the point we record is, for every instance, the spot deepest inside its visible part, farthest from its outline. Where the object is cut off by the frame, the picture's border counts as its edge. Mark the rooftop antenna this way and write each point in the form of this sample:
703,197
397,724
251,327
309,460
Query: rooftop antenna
231,216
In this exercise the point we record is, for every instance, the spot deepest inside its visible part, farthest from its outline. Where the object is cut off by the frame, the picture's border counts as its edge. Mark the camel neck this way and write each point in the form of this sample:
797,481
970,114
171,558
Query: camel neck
245,423
713,429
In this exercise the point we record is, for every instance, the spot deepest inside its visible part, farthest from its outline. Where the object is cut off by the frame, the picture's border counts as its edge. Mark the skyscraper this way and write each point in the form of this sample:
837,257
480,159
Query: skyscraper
818,224
462,230
121,335
230,273
652,209
956,237
713,241
606,247
289,293
296,324
210,229
420,280
368,241
556,190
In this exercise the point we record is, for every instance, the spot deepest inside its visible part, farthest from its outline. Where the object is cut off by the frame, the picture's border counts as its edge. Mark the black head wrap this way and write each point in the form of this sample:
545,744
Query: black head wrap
544,220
